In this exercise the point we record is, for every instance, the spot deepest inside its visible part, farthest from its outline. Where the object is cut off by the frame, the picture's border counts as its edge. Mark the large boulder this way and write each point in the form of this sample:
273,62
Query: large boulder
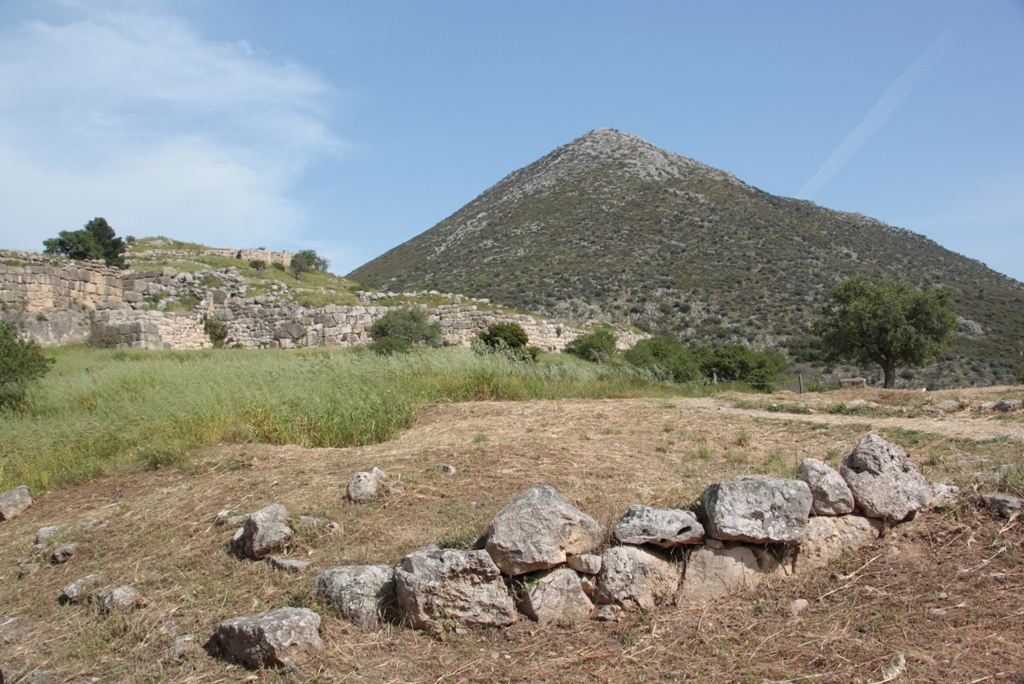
555,597
537,530
265,532
14,501
664,527
829,490
828,537
715,572
884,481
434,584
360,592
281,637
634,577
759,510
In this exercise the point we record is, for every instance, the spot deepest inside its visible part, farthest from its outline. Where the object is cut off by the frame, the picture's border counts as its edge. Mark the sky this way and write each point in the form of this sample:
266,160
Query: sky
349,128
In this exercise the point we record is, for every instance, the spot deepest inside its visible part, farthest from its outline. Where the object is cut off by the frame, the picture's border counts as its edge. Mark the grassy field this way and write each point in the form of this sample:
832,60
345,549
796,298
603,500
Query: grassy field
101,411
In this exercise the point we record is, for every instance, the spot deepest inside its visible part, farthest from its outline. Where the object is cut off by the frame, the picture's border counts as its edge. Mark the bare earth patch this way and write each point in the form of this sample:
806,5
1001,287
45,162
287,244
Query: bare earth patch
934,600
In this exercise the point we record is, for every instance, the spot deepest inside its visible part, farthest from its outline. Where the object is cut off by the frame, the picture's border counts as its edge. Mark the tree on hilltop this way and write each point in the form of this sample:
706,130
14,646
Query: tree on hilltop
885,322
96,240
308,260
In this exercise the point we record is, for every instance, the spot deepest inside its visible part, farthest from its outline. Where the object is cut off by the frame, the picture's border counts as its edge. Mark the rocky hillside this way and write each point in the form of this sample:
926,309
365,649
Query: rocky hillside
610,227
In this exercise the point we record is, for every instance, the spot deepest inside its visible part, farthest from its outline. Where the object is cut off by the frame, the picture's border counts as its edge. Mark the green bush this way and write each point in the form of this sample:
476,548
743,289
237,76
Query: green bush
400,329
308,260
512,334
216,330
736,363
258,265
598,346
96,240
22,362
664,356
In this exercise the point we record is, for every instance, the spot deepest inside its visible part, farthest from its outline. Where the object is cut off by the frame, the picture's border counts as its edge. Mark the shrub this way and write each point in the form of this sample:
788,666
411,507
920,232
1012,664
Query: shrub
216,330
512,334
597,346
736,363
96,240
398,330
258,265
664,356
308,260
22,362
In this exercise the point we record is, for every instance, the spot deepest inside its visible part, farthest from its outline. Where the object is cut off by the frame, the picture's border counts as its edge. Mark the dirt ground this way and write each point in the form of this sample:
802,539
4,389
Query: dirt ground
872,615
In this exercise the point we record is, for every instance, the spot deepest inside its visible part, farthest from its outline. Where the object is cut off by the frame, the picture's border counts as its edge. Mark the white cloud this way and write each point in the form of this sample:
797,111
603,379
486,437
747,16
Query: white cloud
133,116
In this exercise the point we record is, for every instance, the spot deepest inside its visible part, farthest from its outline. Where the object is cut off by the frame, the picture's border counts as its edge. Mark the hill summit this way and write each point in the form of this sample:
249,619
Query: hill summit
610,227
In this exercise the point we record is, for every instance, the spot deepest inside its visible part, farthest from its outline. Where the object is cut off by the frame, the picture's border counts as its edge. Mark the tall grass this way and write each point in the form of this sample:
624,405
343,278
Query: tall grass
100,411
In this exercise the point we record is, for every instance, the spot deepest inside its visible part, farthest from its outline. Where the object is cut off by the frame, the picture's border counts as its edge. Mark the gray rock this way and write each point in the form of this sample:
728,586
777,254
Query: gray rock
587,563
292,565
664,527
827,538
948,405
378,473
361,488
124,599
831,495
264,532
945,495
555,597
360,592
537,531
26,567
310,521
433,585
183,649
608,613
1007,405
81,590
1003,504
885,483
45,533
856,404
64,553
282,637
14,501
798,606
757,509
712,573
448,469
635,577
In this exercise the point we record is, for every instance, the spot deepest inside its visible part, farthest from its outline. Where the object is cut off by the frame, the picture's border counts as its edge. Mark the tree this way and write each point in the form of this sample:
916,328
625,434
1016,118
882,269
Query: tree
596,346
399,329
885,322
21,363
308,260
96,240
512,334
666,355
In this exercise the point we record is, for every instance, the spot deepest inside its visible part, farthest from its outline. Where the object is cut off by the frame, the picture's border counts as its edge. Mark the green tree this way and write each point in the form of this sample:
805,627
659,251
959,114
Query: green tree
307,260
664,355
737,363
885,322
512,334
96,240
399,329
22,362
597,346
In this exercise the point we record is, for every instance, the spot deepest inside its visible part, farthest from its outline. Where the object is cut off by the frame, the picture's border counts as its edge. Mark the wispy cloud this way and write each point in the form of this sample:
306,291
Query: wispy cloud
130,114
879,114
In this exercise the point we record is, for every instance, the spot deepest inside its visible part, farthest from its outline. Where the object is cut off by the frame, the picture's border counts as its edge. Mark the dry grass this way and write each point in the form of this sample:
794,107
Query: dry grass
156,531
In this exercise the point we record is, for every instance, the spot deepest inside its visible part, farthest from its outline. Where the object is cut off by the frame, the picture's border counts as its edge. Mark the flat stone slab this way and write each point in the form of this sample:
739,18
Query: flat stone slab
555,597
885,482
759,510
1003,504
634,577
831,495
538,530
281,637
14,501
360,592
712,573
664,527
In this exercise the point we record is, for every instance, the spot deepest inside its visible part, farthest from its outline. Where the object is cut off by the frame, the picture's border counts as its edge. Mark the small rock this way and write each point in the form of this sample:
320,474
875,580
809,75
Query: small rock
80,590
378,473
45,533
1003,504
988,406
124,599
798,606
1007,405
856,404
310,521
713,543
633,576
26,567
555,597
936,612
589,584
608,613
712,573
948,405
288,564
448,469
757,509
945,495
885,482
664,527
264,533
222,517
14,501
361,488
587,563
183,649
279,637
831,495
334,527
360,592
63,553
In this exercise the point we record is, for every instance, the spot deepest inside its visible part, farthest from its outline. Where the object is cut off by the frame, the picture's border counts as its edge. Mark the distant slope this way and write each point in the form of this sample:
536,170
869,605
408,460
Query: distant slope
611,227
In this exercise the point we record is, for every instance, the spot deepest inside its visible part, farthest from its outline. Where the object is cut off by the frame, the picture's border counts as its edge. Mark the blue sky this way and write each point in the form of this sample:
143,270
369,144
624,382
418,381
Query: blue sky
349,128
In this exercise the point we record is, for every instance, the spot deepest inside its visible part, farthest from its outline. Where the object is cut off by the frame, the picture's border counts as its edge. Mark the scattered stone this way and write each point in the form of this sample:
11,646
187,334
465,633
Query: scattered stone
872,405
945,495
360,592
378,473
936,612
555,597
664,527
279,637
828,537
1007,405
587,563
448,469
759,510
183,649
948,405
831,495
14,501
265,532
885,482
436,584
537,531
333,527
80,590
635,577
361,488
1003,504
798,606
64,553
310,521
45,533
712,573
26,567
291,565
223,517
856,404
608,613
124,599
